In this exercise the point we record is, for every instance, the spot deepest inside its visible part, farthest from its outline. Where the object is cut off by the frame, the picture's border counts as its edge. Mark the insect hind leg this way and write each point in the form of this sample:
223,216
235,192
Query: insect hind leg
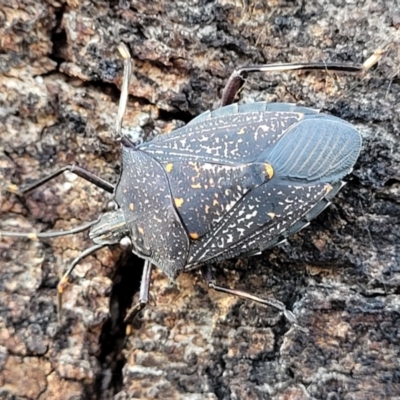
208,276
237,78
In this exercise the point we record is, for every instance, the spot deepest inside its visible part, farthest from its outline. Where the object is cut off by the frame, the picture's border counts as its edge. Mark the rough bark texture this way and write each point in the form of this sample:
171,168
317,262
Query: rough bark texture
58,99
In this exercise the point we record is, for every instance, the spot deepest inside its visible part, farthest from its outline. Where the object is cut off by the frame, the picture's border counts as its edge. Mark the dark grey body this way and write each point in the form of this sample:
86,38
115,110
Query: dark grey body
234,181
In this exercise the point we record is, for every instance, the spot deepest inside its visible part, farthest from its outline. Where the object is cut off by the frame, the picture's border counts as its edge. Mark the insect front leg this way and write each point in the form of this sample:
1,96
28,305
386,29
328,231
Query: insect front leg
81,172
209,278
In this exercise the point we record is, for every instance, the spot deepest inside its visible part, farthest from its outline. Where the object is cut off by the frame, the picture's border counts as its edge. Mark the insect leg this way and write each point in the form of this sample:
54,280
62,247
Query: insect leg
237,78
208,276
64,279
143,294
81,172
47,235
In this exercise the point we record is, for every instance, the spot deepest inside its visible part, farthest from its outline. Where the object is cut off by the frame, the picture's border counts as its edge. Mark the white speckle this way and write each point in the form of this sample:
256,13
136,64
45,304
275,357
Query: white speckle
70,176
67,186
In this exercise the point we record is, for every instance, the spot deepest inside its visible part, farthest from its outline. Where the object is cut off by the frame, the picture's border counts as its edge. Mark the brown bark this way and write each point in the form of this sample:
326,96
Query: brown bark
59,74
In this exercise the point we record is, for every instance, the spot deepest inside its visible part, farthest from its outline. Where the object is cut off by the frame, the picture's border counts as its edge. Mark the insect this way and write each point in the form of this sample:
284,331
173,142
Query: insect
233,182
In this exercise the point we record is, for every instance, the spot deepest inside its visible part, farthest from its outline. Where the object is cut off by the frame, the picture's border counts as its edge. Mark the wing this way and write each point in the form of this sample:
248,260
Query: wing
242,179
204,193
229,136
316,146
317,149
264,217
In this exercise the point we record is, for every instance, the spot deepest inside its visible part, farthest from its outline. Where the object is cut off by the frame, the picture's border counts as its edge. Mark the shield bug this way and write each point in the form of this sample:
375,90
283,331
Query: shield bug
233,182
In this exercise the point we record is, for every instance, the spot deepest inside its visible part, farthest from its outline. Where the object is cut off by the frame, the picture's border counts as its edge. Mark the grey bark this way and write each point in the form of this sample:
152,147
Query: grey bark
59,79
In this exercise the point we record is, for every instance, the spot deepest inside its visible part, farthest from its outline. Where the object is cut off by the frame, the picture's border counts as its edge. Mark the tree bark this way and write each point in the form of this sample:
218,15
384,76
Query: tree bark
60,75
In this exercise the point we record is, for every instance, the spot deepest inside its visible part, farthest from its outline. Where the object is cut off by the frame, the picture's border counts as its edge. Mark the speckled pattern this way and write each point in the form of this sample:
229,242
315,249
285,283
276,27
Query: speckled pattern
60,75
146,202
234,181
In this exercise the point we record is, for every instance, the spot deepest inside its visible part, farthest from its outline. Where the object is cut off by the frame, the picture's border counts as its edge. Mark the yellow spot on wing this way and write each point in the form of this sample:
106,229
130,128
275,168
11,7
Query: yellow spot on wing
196,186
194,235
131,206
178,201
215,202
141,230
241,131
272,215
269,170
328,188
169,167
